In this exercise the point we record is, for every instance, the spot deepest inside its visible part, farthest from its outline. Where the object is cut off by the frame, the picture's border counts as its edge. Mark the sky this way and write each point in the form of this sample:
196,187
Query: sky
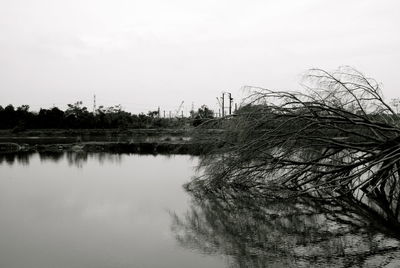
156,53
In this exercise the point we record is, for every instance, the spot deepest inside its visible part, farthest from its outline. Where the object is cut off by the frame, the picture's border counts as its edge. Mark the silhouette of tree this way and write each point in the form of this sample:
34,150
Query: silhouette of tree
202,115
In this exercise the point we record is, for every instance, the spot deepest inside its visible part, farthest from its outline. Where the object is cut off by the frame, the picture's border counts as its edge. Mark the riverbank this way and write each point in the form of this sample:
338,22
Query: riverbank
140,141
94,133
113,147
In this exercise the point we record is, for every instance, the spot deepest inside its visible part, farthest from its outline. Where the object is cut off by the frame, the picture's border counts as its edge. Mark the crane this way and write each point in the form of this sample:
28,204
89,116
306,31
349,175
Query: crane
179,109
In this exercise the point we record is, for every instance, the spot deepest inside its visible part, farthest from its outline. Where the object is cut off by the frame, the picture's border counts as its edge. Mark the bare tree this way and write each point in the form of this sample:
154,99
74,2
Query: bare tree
338,137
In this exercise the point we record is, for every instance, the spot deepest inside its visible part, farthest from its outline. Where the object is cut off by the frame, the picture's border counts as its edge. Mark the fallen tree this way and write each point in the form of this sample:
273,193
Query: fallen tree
337,138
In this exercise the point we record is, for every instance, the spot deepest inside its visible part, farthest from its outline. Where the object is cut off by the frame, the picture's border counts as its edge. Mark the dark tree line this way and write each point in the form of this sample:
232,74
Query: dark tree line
77,116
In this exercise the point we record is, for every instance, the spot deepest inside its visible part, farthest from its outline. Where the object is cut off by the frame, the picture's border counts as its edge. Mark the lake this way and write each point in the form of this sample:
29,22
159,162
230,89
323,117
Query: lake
96,210
121,210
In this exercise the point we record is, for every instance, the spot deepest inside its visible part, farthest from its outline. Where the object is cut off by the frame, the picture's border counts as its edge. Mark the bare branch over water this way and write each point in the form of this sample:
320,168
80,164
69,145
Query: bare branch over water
339,137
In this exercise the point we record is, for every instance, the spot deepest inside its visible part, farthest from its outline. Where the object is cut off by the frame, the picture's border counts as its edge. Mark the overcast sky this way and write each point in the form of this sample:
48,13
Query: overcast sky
144,54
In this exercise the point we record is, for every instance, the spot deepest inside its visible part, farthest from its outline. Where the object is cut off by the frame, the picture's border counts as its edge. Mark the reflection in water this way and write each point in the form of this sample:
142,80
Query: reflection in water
264,229
112,211
122,217
76,159
11,158
51,156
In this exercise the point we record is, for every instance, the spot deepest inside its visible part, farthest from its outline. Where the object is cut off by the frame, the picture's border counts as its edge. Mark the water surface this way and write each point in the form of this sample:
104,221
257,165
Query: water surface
96,210
120,210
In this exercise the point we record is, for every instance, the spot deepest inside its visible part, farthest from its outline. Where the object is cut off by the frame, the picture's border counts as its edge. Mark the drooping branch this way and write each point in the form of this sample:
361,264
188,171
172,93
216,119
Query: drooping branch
339,136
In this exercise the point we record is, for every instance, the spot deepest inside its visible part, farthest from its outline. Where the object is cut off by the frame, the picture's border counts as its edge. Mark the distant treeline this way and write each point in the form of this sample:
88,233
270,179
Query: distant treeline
77,116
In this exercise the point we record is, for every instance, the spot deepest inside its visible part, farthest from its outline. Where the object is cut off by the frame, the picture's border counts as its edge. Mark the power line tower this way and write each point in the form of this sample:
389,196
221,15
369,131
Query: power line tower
94,104
219,106
222,103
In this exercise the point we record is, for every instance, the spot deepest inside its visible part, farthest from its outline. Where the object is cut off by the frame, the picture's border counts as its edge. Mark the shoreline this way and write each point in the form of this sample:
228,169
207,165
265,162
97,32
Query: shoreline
139,141
110,147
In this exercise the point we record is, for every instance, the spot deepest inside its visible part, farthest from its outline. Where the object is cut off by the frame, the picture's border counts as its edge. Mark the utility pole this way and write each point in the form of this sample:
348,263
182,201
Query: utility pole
223,104
158,112
230,103
164,113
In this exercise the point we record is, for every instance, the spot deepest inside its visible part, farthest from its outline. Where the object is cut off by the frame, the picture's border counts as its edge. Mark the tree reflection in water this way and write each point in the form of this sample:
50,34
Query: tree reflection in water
10,158
77,159
255,228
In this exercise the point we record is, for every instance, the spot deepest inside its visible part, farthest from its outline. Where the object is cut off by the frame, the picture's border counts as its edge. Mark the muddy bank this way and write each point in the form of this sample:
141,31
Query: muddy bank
140,141
93,132
62,136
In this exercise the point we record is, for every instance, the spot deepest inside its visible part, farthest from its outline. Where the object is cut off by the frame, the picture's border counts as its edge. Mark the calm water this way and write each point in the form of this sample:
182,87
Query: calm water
109,210
96,210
